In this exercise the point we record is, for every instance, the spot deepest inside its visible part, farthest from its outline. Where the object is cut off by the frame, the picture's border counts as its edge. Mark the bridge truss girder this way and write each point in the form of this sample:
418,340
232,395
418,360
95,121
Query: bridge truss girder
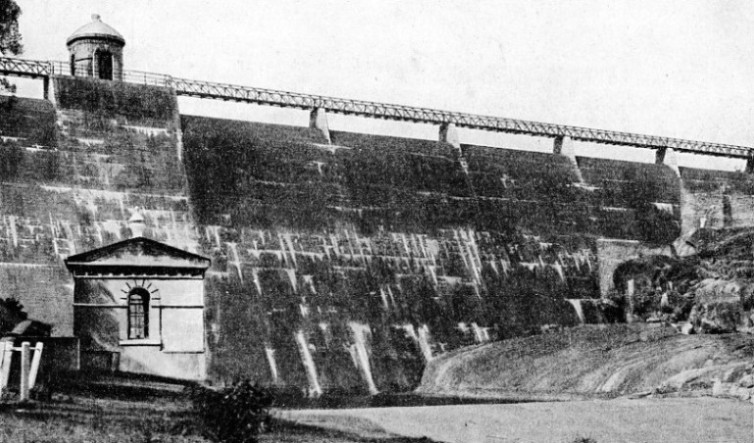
271,97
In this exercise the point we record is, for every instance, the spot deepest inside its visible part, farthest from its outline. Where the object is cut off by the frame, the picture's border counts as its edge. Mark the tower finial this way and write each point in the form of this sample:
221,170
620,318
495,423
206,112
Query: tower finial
96,17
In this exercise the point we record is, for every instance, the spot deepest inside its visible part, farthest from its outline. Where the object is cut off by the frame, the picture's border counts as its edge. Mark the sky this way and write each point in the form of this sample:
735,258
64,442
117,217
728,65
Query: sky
679,68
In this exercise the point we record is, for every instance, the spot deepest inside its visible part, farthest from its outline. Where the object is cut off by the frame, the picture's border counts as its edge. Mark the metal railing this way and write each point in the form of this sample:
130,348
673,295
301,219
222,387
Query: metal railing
24,68
128,76
286,99
147,78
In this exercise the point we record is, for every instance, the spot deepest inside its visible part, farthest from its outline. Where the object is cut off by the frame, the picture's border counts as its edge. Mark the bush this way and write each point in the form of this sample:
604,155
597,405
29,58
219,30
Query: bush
613,307
231,415
11,314
646,302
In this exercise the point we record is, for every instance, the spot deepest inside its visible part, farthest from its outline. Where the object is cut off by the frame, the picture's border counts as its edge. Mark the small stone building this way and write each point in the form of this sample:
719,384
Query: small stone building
139,308
96,51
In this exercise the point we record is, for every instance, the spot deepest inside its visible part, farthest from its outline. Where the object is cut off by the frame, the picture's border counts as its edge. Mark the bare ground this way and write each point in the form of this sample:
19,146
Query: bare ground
614,421
623,383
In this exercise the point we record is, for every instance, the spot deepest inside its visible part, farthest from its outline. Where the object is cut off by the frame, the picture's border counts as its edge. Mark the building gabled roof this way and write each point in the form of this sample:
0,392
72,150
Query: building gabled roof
139,252
96,29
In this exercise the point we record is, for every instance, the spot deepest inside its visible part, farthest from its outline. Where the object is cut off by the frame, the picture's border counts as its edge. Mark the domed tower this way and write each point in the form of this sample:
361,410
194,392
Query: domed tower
96,51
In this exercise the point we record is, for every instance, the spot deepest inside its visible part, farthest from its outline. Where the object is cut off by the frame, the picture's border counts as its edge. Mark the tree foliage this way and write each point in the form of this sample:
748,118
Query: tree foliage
10,37
11,313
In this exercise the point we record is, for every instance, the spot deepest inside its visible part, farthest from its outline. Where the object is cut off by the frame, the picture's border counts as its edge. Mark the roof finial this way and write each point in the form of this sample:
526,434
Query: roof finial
136,223
96,17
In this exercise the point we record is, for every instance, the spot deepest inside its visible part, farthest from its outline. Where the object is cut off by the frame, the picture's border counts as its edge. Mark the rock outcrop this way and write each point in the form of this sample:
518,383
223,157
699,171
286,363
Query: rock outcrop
711,292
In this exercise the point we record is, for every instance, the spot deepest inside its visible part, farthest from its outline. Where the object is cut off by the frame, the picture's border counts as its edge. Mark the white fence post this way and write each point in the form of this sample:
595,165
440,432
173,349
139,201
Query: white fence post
35,364
25,346
7,348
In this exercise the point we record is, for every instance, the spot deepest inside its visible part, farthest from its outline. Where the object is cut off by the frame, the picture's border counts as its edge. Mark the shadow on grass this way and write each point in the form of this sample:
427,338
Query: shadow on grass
285,431
116,386
295,400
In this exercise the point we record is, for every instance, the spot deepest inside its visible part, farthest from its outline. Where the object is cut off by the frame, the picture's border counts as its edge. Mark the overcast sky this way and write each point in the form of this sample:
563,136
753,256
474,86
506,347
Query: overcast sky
675,68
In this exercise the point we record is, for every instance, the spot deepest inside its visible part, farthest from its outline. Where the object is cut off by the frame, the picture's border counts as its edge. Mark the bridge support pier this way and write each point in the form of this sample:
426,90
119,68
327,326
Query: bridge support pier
669,158
46,87
750,165
563,145
318,120
449,135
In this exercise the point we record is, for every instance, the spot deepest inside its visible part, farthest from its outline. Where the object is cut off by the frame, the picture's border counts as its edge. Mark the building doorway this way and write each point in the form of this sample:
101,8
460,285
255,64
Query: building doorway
104,65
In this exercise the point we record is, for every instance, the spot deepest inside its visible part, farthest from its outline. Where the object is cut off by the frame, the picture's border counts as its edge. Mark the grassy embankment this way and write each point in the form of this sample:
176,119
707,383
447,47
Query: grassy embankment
594,361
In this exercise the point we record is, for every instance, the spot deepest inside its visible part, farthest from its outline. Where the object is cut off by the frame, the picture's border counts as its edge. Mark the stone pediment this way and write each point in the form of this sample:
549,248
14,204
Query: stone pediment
141,255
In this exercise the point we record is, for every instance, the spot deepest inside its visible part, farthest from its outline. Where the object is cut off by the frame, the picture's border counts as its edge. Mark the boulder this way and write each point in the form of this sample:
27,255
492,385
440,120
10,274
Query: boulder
717,317
687,329
747,381
713,290
730,390
718,306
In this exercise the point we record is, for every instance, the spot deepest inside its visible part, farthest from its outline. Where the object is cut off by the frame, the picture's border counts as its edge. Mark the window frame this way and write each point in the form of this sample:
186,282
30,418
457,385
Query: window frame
136,309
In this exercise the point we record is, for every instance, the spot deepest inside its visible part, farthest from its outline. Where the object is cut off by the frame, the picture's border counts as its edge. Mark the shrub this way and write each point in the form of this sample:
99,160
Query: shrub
646,302
11,314
613,307
231,415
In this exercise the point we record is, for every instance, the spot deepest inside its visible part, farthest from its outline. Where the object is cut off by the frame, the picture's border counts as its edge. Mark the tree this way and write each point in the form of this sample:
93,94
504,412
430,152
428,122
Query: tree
11,313
10,37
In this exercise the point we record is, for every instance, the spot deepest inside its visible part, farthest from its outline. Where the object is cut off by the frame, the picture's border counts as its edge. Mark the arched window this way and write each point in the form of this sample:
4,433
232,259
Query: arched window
138,313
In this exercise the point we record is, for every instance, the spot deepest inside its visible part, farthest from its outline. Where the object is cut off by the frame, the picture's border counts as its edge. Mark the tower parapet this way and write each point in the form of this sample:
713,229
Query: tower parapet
96,50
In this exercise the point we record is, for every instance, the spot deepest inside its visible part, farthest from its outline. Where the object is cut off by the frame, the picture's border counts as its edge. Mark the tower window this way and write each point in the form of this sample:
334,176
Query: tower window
138,313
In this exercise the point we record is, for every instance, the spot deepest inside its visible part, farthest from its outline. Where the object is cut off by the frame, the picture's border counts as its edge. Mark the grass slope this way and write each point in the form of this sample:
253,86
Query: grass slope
137,409
591,361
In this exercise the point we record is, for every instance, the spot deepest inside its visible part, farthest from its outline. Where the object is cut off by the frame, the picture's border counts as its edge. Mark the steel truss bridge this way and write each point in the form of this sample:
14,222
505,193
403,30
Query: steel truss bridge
285,99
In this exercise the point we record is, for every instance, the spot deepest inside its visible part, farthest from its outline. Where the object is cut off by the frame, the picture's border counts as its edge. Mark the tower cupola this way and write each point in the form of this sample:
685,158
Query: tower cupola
96,50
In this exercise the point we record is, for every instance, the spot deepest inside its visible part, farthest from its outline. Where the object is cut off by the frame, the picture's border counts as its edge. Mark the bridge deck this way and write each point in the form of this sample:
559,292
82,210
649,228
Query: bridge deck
270,97
19,67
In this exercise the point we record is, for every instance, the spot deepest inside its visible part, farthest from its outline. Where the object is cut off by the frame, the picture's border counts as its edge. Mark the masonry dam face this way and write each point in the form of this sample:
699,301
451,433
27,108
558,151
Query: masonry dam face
341,265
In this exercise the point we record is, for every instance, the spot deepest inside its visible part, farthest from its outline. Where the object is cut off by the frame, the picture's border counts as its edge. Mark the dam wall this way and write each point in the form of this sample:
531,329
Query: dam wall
716,199
340,263
395,235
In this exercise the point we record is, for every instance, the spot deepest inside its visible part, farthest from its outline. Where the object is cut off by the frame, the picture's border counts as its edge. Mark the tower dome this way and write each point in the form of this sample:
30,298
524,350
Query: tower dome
96,51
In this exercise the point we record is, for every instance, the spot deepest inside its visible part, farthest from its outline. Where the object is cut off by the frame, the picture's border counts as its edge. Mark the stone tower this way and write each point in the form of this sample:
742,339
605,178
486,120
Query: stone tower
96,51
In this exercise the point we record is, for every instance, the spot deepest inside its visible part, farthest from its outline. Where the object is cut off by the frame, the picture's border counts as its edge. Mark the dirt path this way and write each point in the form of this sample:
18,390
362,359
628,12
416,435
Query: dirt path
672,420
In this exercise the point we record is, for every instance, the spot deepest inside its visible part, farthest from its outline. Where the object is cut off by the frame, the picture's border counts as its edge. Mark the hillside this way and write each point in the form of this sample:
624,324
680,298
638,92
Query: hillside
592,362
